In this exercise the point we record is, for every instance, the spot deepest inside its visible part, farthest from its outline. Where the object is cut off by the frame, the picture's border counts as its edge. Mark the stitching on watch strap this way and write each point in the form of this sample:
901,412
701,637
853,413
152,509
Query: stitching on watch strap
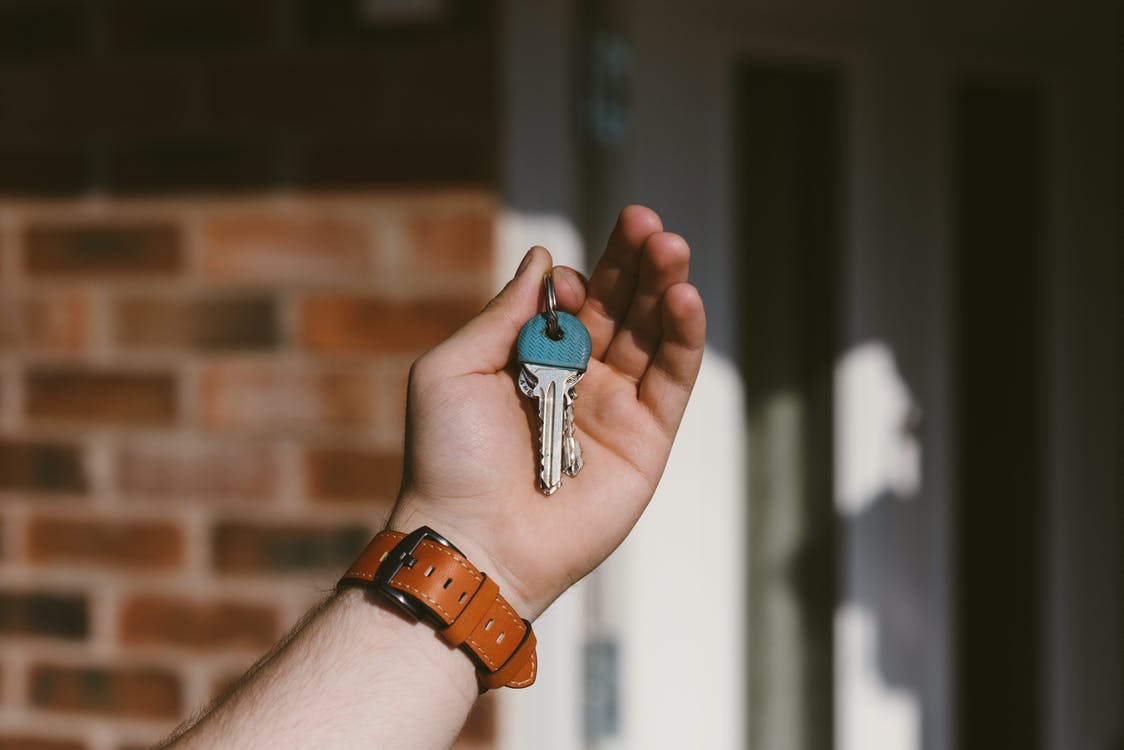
494,662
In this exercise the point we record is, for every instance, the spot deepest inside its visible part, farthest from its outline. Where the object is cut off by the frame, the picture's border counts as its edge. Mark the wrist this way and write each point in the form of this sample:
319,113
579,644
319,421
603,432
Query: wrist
409,514
431,580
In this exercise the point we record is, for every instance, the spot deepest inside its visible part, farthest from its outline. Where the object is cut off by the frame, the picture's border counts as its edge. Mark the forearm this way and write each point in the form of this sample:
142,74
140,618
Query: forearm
355,674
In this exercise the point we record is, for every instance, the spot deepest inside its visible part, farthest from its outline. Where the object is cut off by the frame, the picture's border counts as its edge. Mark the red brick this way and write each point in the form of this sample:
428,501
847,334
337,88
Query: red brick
353,474
99,396
147,545
207,323
361,323
459,242
252,548
221,471
53,322
277,247
35,466
29,742
208,625
41,614
259,396
102,249
137,693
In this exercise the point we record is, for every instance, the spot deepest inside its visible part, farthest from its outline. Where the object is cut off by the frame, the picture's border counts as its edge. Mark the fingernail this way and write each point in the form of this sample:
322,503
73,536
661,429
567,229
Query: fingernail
525,262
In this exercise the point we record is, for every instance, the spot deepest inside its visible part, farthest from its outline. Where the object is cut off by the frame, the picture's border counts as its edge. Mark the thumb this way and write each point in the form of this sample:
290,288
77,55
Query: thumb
484,343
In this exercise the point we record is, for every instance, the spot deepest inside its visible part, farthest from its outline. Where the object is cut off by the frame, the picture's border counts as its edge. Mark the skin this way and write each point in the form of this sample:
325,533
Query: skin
355,673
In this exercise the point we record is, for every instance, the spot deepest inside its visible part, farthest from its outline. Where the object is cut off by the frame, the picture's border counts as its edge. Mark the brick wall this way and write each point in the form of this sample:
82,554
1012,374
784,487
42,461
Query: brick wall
201,406
201,397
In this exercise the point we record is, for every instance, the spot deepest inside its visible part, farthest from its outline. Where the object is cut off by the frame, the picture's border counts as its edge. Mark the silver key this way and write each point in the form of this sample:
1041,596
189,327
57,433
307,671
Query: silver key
572,461
554,349
550,388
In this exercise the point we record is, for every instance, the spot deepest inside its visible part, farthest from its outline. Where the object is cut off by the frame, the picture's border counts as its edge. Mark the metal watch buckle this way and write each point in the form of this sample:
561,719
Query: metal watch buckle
402,556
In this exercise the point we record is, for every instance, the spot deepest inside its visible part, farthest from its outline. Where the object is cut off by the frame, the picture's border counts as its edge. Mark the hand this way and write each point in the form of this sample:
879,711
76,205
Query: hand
472,437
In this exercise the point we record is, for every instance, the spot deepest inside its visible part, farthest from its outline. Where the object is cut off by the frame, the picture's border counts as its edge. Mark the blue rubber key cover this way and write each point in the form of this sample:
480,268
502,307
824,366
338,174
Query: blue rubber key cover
571,352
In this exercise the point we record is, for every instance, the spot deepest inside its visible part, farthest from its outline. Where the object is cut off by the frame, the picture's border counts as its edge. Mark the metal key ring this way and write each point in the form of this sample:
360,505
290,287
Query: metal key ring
553,330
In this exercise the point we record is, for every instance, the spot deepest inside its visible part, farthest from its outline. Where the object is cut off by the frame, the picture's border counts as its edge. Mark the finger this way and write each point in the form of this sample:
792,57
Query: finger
484,343
668,381
614,279
665,261
569,288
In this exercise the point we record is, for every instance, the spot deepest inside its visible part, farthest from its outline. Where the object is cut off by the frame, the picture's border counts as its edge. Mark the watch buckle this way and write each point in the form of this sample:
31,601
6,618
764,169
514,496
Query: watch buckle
402,556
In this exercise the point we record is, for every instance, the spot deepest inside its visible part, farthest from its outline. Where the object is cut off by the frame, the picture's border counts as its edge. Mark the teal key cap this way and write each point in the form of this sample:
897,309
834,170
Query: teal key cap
569,352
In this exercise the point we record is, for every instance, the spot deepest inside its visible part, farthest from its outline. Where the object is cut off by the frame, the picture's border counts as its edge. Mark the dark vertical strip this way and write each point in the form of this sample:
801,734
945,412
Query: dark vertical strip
788,138
999,507
1118,109
602,75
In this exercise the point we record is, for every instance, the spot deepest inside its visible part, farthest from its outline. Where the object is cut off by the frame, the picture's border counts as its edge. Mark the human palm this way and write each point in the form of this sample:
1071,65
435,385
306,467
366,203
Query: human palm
472,436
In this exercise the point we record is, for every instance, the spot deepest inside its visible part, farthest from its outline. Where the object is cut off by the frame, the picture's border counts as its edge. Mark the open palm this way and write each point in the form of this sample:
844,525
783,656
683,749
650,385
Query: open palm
472,436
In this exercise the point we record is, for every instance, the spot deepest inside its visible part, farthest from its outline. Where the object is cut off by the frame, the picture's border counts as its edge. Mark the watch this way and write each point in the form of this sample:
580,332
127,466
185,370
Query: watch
431,580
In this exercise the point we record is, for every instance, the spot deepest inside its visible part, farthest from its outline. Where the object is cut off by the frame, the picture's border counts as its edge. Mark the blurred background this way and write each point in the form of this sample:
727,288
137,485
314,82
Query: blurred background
893,518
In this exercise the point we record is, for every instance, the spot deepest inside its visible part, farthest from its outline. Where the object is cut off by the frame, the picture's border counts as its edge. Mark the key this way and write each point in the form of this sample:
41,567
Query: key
572,461
551,366
550,386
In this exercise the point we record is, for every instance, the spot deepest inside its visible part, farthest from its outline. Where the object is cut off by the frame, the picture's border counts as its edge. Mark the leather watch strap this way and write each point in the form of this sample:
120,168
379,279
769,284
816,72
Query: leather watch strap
430,579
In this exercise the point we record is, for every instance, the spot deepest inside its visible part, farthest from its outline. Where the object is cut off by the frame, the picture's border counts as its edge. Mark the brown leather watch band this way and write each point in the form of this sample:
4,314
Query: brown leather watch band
430,579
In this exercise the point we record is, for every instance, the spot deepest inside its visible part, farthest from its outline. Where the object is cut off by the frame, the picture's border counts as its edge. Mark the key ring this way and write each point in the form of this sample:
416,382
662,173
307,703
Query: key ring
553,330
